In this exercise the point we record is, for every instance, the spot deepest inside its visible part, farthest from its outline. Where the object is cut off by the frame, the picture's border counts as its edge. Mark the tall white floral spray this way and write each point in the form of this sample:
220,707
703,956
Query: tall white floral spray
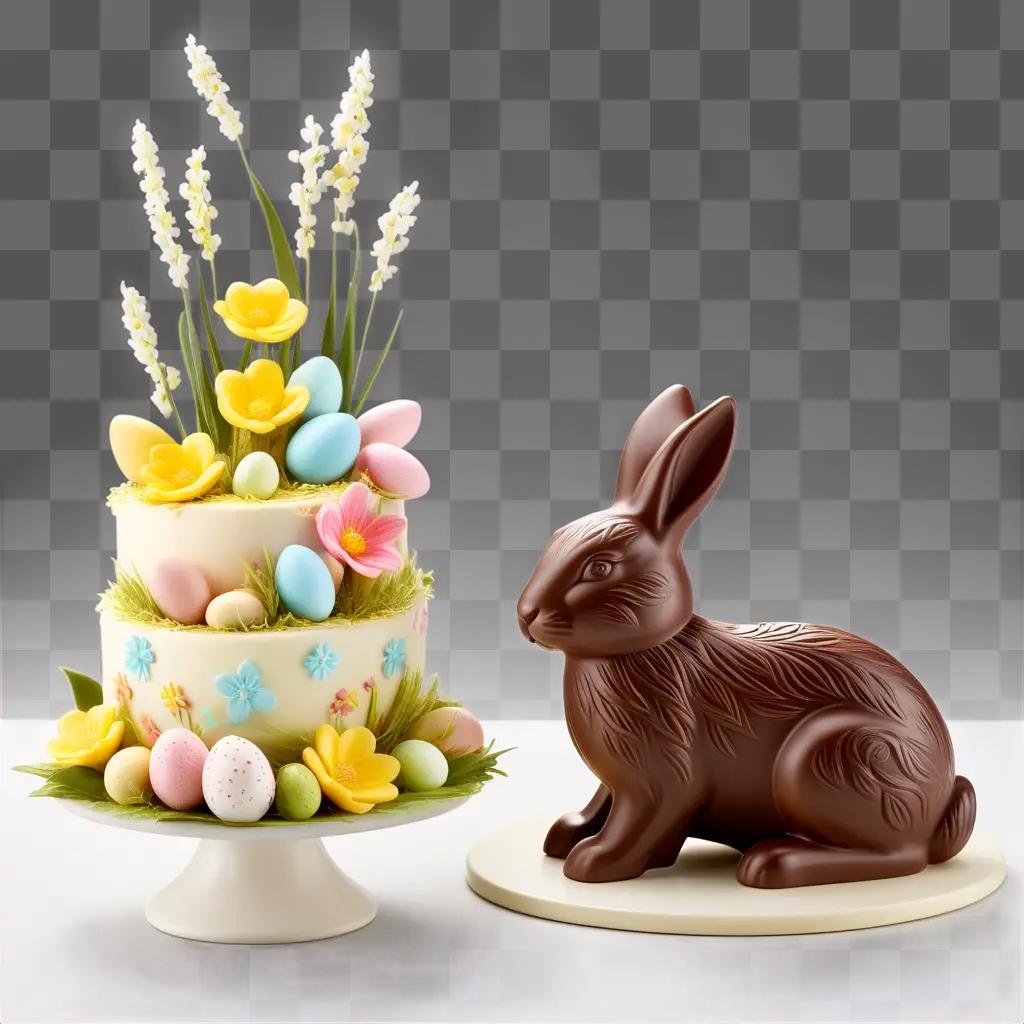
207,80
307,192
161,221
348,137
394,234
201,212
142,340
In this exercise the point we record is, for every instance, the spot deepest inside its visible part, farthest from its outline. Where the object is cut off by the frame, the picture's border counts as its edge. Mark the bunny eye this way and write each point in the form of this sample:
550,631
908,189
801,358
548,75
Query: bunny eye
597,569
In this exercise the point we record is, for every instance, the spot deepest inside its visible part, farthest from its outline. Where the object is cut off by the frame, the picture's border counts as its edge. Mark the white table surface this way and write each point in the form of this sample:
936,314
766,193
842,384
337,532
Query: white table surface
74,945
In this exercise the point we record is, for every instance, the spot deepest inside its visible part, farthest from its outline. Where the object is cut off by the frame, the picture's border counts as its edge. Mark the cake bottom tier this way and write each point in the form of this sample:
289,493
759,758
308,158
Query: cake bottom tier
273,687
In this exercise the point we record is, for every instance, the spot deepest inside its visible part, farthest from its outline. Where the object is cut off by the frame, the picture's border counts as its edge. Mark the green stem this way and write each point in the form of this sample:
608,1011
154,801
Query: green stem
362,341
213,278
174,404
246,355
365,393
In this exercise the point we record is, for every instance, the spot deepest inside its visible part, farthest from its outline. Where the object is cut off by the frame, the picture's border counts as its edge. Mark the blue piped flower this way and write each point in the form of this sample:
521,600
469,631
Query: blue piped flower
394,656
321,661
244,692
138,656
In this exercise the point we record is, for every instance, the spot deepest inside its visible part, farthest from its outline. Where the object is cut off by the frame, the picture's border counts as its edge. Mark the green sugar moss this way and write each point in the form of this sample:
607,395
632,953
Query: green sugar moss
359,599
131,494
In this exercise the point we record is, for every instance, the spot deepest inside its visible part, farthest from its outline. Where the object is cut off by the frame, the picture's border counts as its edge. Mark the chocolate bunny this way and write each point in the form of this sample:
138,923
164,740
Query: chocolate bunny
810,750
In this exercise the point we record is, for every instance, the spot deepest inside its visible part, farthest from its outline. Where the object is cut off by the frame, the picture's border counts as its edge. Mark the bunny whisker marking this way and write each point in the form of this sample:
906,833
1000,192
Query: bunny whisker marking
812,750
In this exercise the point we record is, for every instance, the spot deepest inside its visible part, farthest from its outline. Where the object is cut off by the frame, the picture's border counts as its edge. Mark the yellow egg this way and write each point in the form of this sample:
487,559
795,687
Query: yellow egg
131,439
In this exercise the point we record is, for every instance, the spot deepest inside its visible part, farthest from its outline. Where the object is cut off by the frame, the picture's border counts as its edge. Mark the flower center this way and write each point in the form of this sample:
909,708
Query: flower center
353,542
345,774
183,477
260,409
259,316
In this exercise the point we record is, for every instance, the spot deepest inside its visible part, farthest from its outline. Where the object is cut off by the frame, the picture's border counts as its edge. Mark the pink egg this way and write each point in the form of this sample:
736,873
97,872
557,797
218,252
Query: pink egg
176,769
452,730
394,470
334,567
180,590
394,422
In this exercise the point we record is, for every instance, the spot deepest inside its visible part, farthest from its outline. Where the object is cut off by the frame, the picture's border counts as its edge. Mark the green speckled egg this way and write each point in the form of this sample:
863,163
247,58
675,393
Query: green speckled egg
423,766
298,793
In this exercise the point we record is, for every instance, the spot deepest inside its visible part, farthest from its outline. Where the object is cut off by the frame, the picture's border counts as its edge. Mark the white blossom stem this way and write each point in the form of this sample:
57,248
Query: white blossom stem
362,343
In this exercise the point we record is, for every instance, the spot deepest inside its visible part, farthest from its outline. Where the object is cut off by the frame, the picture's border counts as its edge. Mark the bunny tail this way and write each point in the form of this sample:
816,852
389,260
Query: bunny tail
956,825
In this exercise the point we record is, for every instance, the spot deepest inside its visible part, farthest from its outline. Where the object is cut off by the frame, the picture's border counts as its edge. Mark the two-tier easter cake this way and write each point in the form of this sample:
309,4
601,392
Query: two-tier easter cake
264,637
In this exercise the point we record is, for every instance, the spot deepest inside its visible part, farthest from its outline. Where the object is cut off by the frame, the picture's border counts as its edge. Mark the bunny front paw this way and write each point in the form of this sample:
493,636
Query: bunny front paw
595,861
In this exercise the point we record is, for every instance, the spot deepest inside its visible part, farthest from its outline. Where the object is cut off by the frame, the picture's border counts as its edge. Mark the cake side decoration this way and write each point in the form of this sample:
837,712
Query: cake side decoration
265,628
812,751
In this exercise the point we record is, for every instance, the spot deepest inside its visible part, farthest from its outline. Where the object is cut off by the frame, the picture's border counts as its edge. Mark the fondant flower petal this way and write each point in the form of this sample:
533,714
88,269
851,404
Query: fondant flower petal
377,794
355,745
376,770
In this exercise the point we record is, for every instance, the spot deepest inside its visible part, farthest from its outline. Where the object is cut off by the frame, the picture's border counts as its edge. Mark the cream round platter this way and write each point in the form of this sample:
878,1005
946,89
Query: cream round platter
699,895
263,884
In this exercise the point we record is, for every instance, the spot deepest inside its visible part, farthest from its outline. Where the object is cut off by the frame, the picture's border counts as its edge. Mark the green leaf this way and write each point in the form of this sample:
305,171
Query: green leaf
279,245
75,783
327,344
43,771
86,691
364,394
347,355
246,355
195,368
211,338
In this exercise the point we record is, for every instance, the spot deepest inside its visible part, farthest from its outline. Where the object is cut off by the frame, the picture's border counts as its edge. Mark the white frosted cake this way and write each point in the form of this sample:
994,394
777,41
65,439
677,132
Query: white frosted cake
264,639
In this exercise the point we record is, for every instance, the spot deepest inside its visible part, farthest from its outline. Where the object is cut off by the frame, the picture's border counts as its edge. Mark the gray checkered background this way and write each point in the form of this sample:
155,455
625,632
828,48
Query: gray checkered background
816,207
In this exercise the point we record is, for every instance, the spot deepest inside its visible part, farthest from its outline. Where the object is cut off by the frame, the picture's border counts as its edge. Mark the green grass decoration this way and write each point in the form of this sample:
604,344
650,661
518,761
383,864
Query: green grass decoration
410,704
389,594
85,690
129,598
359,599
464,768
372,711
260,580
127,494
85,785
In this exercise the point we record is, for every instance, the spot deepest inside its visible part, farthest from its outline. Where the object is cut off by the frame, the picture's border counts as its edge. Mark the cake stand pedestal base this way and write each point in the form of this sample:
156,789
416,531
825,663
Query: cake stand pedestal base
286,891
699,895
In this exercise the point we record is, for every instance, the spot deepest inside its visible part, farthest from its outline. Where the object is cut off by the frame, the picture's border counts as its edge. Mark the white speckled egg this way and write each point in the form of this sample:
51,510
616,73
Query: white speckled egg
176,768
235,609
256,476
394,422
179,589
238,782
394,470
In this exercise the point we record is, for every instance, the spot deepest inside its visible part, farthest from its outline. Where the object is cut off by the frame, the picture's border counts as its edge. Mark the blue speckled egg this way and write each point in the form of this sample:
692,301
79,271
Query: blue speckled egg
322,378
324,449
304,583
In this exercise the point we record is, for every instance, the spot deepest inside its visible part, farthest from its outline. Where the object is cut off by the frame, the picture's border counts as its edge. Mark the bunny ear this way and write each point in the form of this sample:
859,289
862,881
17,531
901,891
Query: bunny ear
686,470
653,426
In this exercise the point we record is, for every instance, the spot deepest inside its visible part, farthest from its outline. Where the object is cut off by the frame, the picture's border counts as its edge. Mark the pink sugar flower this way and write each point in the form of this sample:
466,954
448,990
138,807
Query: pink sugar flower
354,534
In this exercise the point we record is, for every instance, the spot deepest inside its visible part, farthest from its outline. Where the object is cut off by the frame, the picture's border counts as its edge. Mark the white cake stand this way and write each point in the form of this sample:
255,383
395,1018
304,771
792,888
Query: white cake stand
260,885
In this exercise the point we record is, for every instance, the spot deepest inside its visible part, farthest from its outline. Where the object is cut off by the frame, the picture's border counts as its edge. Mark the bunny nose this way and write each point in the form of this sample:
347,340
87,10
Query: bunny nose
526,613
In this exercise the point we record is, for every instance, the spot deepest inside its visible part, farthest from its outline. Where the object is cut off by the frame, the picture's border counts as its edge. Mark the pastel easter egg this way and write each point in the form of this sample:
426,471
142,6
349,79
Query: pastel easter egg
394,470
179,589
126,776
256,476
304,583
334,567
238,782
298,793
423,766
324,449
235,609
454,731
393,422
322,378
131,438
176,768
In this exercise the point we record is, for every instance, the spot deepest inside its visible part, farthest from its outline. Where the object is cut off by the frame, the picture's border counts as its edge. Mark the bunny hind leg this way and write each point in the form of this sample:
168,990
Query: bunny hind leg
576,826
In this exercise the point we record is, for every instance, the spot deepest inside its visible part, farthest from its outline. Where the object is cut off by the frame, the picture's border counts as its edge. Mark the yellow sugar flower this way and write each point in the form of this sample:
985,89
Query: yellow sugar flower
88,738
350,774
257,399
181,472
261,312
174,698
